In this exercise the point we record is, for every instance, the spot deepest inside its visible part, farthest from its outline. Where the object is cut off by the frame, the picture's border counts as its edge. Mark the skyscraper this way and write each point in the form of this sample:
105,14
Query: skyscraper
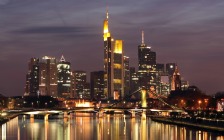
126,75
64,78
161,77
97,85
147,67
113,64
42,77
73,85
48,76
86,91
134,82
80,81
118,73
32,78
108,70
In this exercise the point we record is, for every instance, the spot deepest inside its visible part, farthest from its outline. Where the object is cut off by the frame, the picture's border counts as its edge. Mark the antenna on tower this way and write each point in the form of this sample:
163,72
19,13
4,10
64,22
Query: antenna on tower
107,13
142,37
62,59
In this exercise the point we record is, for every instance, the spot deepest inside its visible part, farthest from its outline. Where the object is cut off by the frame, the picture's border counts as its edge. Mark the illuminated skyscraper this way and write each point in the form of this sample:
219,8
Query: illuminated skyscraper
134,82
108,70
64,78
113,64
118,72
147,67
73,85
126,76
42,77
48,76
80,81
97,85
86,91
32,78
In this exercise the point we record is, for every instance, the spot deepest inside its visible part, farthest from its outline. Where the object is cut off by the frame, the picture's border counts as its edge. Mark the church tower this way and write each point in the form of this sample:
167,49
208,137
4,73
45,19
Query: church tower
176,80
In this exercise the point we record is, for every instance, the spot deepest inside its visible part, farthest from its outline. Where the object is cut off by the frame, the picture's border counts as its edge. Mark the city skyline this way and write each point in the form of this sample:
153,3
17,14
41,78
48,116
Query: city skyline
60,30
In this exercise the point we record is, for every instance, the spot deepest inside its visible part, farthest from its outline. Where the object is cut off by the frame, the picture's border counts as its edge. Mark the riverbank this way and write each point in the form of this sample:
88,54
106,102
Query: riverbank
188,124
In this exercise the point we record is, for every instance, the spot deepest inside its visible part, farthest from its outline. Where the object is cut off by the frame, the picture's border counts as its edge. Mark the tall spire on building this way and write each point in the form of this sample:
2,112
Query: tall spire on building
143,37
107,13
176,72
176,80
106,26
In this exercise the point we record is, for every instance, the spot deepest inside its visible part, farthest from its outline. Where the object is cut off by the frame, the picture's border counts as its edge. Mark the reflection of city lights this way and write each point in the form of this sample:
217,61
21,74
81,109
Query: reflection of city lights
4,131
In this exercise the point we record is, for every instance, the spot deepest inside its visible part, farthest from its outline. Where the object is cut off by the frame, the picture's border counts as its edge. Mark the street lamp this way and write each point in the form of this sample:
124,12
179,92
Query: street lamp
199,102
182,103
206,103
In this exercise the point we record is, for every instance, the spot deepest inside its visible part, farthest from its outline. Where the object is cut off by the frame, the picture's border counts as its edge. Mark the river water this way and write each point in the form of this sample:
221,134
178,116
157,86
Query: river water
89,127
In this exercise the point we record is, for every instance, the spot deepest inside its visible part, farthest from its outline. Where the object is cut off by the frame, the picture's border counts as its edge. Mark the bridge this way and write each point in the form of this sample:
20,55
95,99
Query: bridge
110,109
99,112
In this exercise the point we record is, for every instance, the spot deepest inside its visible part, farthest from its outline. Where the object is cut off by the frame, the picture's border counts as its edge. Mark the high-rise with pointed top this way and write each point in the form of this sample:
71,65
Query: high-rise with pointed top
146,67
64,78
113,64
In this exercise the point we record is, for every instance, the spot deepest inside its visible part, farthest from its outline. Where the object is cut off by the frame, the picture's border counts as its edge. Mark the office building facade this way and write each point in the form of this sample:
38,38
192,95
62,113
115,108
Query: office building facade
64,78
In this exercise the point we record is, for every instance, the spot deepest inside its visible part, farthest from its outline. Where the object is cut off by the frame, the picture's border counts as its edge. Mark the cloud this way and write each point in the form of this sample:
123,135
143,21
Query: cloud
53,30
4,2
186,32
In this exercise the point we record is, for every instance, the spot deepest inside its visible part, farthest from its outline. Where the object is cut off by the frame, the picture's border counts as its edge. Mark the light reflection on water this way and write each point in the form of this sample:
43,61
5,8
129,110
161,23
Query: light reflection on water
88,127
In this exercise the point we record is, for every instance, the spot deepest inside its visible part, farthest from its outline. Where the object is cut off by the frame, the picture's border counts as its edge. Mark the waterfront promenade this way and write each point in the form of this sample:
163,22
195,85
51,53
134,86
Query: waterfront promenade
203,124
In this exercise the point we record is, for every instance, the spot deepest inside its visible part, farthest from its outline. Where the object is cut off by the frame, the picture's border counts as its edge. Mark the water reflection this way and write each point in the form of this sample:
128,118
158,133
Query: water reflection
87,126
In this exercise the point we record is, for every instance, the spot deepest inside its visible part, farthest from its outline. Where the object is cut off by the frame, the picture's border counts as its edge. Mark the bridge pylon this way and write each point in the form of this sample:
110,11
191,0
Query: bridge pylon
144,115
66,115
143,97
46,117
100,114
31,115
133,114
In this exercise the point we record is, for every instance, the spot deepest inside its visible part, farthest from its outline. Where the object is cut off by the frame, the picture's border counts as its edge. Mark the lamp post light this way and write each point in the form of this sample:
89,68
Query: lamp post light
199,103
38,104
182,103
32,104
206,103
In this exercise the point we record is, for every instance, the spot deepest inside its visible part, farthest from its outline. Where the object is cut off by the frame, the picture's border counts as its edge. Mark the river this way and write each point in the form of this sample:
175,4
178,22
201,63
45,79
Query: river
86,126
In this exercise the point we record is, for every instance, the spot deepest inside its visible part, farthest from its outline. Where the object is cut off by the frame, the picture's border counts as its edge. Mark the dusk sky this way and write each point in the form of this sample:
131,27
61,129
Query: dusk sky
187,32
